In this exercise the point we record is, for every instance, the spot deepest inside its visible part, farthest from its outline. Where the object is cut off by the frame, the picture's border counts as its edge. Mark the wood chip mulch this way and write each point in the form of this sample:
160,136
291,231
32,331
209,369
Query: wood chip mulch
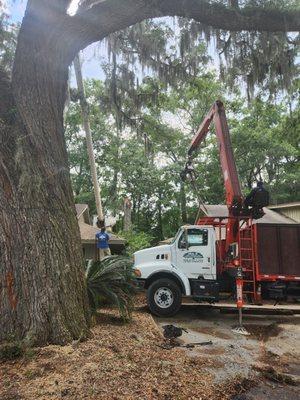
119,361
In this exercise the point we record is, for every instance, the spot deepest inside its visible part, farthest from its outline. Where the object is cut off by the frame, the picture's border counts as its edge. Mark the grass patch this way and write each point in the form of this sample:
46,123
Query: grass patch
11,351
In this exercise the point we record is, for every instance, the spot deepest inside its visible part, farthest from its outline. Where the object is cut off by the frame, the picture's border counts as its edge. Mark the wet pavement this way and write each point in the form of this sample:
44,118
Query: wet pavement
274,341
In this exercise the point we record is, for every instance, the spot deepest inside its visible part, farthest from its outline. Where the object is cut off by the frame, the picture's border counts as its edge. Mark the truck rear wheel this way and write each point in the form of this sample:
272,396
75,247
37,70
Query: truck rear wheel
164,297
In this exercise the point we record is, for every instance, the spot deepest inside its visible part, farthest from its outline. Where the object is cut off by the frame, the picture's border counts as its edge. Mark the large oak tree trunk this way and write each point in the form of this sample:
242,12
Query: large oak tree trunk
42,290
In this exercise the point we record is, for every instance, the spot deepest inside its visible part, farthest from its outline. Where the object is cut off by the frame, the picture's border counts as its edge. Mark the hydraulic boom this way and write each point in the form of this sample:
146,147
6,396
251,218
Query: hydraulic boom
234,198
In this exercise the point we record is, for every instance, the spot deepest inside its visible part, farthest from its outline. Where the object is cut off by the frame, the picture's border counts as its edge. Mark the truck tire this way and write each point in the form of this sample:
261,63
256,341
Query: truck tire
164,297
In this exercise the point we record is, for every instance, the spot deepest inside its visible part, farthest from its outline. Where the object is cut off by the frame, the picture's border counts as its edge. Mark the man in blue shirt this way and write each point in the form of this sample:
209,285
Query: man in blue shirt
102,239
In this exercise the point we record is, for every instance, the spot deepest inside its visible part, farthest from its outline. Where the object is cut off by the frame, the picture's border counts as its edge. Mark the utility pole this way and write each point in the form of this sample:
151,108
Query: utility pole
89,140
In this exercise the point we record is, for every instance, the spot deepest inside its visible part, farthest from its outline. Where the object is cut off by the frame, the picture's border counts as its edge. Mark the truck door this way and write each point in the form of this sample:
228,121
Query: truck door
197,258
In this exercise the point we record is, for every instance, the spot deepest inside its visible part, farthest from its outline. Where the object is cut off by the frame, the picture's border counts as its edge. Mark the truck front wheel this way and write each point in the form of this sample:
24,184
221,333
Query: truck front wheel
164,297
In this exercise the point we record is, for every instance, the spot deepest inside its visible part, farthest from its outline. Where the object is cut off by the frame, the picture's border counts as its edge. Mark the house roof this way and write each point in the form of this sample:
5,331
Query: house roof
83,213
270,217
88,231
220,210
285,205
80,209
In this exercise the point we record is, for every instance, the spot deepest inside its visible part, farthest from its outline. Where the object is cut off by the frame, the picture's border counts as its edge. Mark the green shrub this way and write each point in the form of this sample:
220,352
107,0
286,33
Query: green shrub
11,350
136,241
111,281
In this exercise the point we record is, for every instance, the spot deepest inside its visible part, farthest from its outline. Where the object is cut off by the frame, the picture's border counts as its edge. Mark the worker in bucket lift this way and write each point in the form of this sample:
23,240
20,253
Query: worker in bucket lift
102,239
257,198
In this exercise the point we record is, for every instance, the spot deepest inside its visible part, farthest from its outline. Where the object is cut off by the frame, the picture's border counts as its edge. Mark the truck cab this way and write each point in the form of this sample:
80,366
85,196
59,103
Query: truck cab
185,267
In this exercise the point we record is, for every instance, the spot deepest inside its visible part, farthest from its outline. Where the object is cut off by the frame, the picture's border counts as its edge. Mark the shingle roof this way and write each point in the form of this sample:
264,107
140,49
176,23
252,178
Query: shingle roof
88,232
270,217
80,209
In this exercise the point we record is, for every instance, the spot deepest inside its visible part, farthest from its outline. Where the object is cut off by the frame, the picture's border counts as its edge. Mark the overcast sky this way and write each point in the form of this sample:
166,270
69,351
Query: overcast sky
91,56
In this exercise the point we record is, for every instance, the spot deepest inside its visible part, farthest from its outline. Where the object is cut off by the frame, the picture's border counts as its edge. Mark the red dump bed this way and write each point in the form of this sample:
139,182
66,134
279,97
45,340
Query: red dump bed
277,251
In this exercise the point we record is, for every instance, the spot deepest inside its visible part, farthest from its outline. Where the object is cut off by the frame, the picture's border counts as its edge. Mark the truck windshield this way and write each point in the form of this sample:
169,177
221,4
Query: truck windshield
196,237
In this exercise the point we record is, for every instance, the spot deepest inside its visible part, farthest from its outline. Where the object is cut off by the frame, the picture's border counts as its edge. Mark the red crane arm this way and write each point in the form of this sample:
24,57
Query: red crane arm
234,197
202,131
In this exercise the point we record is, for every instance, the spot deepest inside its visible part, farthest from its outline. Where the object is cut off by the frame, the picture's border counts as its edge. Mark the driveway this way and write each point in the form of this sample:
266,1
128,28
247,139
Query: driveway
274,341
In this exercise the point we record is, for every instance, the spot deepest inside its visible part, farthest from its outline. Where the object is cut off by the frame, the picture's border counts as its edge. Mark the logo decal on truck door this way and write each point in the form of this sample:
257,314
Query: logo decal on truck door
193,256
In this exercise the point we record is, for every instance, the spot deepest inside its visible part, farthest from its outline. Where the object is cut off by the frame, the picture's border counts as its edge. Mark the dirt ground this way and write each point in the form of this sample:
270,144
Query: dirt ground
129,362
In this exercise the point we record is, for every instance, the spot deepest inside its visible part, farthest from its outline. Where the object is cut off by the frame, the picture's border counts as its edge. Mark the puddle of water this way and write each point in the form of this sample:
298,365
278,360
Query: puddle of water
266,391
263,332
208,330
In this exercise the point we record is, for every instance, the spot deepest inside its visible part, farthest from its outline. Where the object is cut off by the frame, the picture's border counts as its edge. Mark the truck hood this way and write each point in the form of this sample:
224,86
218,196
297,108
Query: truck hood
150,254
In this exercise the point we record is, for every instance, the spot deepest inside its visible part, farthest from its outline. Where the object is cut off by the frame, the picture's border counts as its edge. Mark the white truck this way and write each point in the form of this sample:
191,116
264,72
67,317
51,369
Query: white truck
187,266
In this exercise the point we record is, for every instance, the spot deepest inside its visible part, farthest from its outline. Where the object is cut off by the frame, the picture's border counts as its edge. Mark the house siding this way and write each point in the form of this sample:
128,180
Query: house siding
292,213
89,250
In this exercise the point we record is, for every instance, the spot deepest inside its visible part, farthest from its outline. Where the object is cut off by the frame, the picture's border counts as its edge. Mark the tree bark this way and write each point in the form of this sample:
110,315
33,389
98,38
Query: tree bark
127,215
113,190
103,18
42,289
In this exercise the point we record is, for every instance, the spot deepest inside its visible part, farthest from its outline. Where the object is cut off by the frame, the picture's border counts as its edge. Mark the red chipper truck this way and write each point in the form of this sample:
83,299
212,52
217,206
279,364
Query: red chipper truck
207,259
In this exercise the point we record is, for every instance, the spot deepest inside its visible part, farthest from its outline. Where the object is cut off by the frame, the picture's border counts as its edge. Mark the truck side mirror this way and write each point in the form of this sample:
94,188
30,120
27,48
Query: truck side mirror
182,244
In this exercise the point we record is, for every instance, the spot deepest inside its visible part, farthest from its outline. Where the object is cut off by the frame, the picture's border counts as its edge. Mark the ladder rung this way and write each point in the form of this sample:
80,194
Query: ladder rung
248,292
246,259
245,248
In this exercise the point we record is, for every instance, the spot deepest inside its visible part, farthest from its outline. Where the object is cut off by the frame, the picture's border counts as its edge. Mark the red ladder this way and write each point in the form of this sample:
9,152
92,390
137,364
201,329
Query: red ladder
247,260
